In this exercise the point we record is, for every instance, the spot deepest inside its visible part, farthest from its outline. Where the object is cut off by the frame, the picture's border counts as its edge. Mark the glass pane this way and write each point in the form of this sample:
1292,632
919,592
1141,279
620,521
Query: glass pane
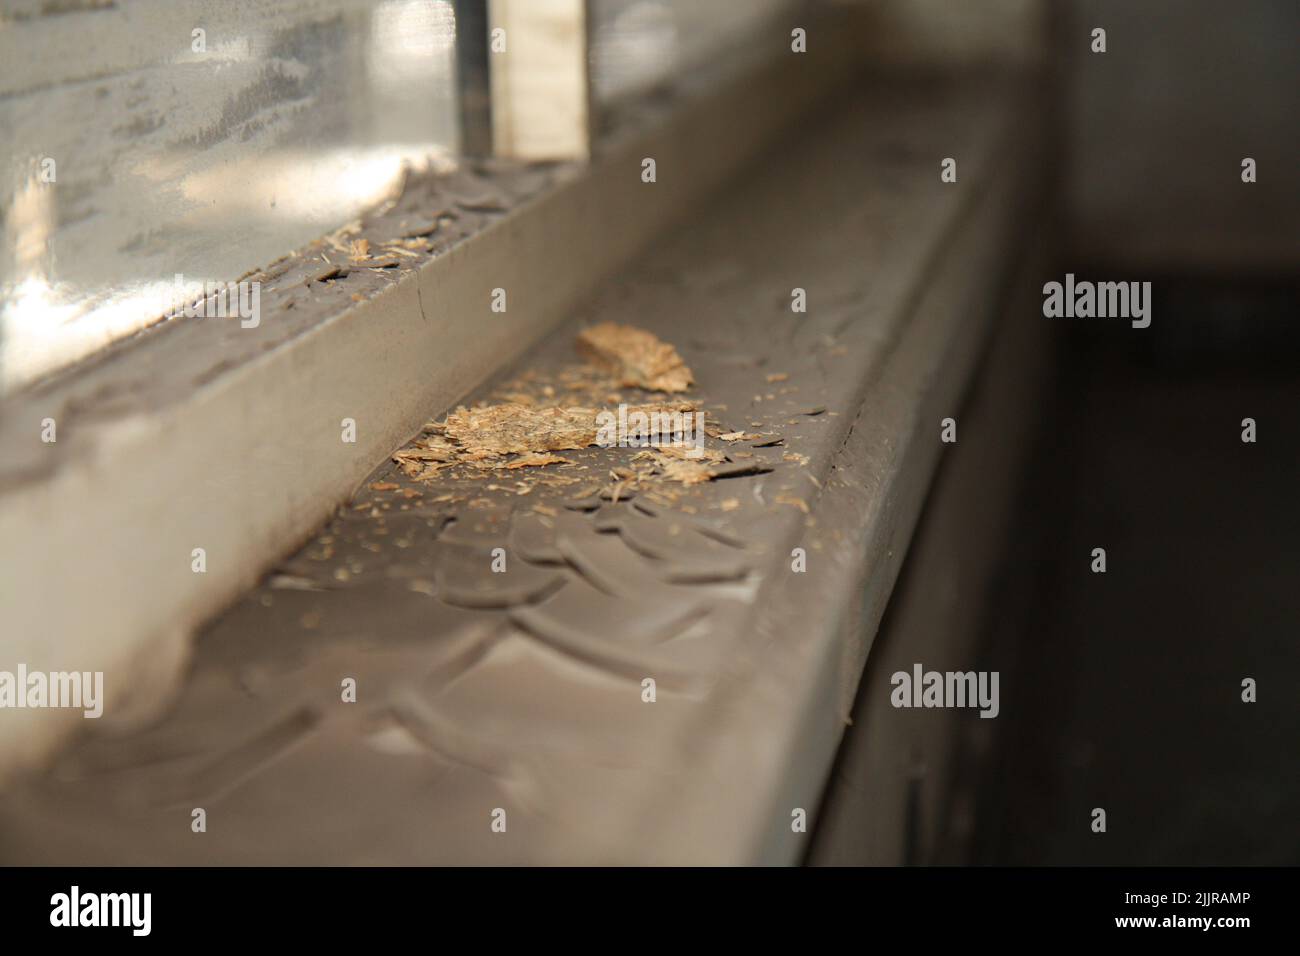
146,140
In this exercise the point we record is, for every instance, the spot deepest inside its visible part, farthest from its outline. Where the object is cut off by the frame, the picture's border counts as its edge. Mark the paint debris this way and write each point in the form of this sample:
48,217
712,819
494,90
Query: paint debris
536,415
425,457
496,430
684,470
332,272
514,429
535,459
635,357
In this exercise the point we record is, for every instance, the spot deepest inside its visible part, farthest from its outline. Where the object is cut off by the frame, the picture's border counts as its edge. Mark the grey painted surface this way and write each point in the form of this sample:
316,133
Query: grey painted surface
292,118
898,794
528,698
201,433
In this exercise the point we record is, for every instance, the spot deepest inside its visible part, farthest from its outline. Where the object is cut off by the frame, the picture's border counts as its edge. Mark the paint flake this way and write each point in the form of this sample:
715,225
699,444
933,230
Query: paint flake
635,357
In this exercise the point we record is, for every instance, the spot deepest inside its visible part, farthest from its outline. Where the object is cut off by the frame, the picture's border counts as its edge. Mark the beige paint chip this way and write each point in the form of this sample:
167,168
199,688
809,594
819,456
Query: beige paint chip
536,459
635,357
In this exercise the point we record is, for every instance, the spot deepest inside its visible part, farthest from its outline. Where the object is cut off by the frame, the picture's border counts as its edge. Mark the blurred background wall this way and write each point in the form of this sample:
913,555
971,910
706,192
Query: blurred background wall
1157,127
1154,130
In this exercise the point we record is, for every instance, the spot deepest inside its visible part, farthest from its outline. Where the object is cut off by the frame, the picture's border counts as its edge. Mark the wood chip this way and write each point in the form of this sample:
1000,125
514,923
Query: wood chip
686,471
536,459
512,429
635,357
691,453
331,273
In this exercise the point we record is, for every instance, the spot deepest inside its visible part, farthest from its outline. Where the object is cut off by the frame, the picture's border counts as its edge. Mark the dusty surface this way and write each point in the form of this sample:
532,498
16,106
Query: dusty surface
523,689
227,438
